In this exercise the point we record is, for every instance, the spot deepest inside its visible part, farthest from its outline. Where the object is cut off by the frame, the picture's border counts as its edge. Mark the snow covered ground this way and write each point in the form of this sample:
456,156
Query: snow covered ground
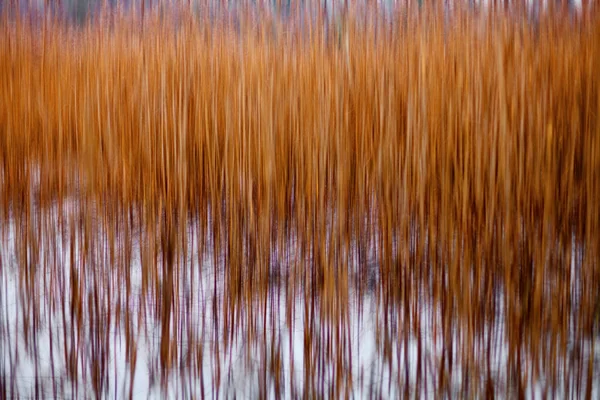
231,345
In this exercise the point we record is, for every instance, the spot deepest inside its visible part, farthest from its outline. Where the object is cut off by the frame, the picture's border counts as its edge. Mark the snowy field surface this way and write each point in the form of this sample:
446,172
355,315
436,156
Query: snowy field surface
76,318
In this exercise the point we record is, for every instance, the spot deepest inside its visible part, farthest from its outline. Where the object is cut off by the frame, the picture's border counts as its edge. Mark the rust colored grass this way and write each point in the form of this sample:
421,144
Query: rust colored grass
448,167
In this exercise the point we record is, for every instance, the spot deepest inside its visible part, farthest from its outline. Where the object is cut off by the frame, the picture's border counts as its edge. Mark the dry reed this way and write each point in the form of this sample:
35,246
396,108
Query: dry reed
442,162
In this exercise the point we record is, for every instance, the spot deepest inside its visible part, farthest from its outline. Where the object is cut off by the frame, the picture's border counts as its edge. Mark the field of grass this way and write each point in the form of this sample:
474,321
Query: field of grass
444,169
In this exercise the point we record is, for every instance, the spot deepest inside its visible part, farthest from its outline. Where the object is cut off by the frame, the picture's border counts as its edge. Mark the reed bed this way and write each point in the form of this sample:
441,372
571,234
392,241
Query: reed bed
210,185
